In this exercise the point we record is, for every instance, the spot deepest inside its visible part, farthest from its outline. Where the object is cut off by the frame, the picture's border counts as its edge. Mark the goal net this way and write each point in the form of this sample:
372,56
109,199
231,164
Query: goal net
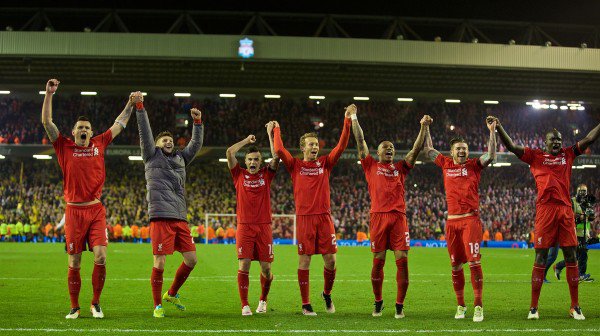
220,228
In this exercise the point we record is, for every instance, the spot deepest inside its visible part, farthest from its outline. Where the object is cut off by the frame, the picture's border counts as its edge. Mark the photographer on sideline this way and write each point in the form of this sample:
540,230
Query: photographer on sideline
584,215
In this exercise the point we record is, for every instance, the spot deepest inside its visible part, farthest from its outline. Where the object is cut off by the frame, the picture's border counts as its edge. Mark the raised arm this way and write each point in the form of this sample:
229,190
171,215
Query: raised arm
123,118
429,150
146,139
508,143
195,144
274,164
589,139
49,126
281,152
411,157
361,144
231,151
490,156
337,151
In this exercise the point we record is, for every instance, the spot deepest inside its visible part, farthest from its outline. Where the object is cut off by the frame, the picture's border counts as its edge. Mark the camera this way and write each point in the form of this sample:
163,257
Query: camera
586,201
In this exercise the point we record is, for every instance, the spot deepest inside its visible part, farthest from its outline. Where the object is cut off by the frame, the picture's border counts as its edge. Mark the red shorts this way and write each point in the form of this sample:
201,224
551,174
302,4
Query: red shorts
85,225
463,236
315,234
389,231
254,241
169,235
554,224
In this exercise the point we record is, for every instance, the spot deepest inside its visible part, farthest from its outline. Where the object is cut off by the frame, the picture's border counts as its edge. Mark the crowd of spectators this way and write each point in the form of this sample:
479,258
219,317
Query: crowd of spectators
34,197
229,120
31,192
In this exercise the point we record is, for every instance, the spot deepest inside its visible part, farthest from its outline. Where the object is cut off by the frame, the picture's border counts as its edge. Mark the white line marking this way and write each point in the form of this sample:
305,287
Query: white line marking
294,331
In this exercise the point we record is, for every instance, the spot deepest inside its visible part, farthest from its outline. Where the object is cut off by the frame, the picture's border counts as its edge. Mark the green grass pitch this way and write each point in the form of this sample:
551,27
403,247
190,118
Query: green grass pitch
34,296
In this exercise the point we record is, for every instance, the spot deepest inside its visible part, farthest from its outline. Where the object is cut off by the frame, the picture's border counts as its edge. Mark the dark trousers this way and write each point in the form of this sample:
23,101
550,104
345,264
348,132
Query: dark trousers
582,257
552,255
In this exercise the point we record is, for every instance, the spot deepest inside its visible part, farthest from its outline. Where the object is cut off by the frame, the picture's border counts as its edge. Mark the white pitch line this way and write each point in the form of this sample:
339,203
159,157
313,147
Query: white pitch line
294,331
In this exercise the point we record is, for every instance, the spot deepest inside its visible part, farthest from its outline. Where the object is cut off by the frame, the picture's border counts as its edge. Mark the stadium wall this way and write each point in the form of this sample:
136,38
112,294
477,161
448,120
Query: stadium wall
300,49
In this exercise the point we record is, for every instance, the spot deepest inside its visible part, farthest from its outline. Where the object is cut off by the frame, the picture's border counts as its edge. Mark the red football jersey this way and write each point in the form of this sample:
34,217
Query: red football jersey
311,185
253,195
311,178
461,182
82,167
386,184
552,174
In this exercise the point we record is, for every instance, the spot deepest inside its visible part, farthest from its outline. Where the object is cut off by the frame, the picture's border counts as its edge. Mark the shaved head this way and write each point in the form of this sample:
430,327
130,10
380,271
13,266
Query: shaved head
553,142
554,131
384,143
386,151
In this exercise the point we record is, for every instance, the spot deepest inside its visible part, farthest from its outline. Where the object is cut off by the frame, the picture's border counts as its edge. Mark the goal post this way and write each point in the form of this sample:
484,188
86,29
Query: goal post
224,220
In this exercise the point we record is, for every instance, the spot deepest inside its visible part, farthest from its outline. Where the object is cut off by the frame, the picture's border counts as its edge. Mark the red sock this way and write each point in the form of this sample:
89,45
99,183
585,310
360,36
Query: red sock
265,285
329,277
477,282
74,281
98,277
182,274
573,281
401,279
303,276
537,280
156,280
458,282
243,283
377,277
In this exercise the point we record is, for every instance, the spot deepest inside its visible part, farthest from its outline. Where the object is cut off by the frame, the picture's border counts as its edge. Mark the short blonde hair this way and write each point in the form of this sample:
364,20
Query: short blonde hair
307,135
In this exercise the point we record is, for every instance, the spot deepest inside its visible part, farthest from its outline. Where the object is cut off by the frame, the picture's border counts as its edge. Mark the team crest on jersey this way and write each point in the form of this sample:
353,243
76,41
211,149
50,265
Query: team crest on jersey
254,183
86,151
457,172
311,171
558,161
318,164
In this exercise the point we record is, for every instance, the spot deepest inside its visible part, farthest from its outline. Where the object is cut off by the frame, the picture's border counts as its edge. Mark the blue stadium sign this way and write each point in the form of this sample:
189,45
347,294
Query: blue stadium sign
246,49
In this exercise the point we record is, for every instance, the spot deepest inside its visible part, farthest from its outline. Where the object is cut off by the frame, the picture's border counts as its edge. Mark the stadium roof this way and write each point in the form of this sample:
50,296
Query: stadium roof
579,12
391,25
566,25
